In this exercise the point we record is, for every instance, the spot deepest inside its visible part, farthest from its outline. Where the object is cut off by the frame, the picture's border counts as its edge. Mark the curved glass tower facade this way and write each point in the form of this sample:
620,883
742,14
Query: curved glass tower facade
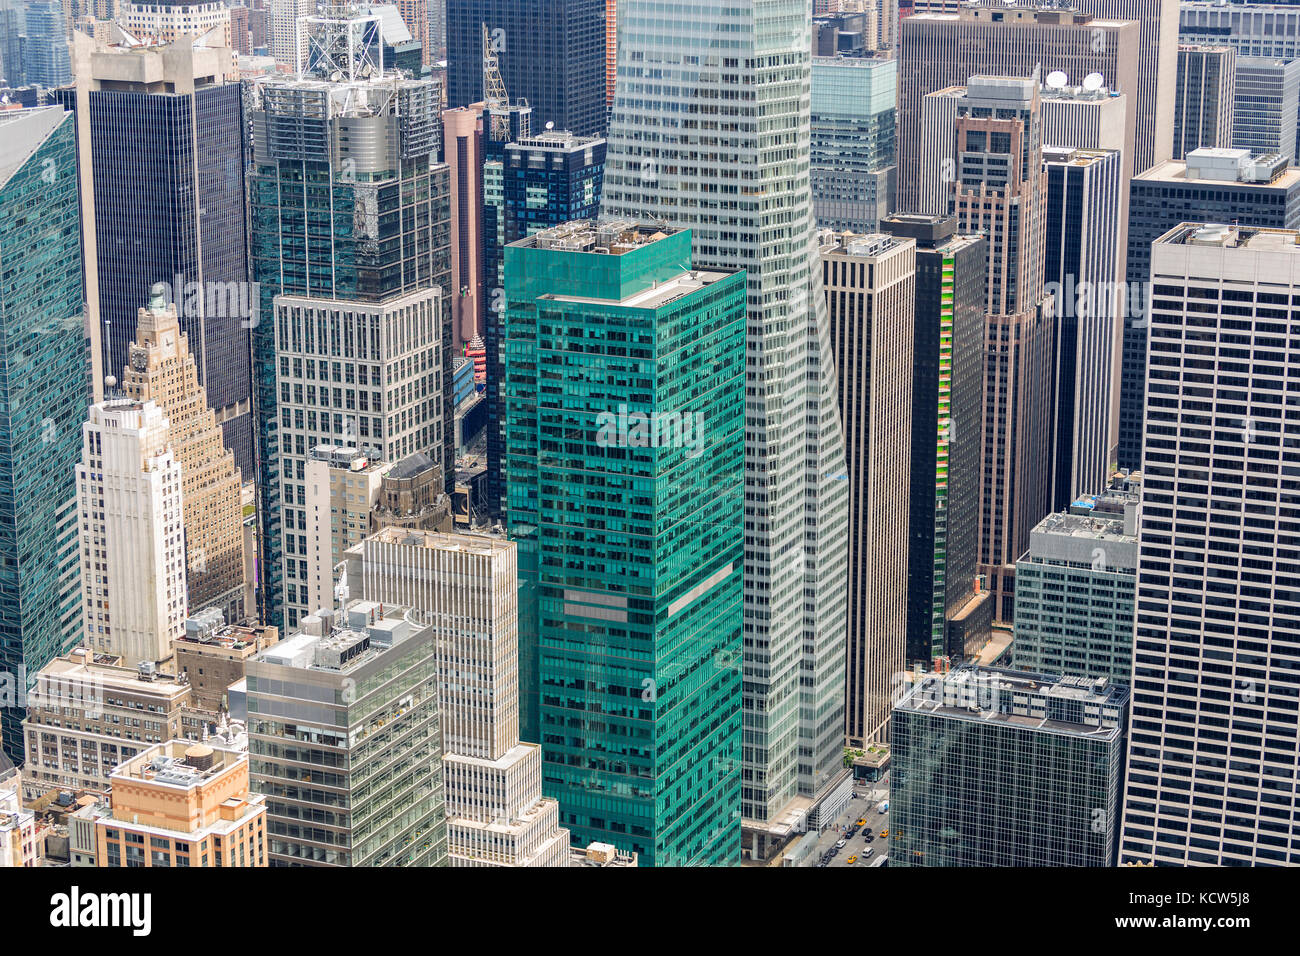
44,391
710,131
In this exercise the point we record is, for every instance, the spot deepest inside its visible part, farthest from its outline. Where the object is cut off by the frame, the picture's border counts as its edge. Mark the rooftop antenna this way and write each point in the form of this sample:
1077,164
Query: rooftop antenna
339,39
494,90
341,590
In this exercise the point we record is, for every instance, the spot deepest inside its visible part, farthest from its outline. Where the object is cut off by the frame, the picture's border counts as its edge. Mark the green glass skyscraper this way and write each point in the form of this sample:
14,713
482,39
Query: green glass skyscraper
624,374
44,392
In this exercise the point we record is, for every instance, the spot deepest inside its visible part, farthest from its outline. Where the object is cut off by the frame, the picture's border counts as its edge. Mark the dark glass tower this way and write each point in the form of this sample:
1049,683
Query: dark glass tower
1082,267
173,119
948,384
546,180
44,392
551,178
551,53
347,204
997,767
501,127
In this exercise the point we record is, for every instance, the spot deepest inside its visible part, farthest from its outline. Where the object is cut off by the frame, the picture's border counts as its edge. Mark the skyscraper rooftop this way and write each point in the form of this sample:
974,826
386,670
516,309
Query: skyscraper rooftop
1074,706
344,641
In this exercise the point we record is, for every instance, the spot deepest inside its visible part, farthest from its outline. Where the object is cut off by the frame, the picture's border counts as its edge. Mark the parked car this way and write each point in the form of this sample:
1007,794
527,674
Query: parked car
840,845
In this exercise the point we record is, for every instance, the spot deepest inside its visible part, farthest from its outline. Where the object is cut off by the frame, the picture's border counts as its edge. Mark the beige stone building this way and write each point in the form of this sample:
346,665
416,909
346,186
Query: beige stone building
342,487
870,284
411,495
130,505
350,495
169,22
1000,189
183,804
86,714
19,846
601,854
211,656
939,50
162,369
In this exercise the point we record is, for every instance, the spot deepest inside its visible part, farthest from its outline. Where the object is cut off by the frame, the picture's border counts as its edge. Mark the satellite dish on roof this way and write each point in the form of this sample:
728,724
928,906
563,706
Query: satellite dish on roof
1057,79
550,125
1093,81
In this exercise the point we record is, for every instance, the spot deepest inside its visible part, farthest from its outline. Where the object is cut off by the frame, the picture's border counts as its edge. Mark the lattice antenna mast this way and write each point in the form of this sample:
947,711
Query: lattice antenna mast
344,42
494,90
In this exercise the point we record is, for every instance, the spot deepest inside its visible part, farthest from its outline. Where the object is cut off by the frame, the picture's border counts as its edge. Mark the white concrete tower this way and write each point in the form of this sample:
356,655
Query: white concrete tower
130,504
466,588
1216,643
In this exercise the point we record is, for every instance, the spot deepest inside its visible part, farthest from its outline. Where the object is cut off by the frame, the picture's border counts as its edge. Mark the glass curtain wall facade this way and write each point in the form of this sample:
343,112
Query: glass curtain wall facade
551,54
948,370
12,30
333,220
1076,589
545,180
710,131
853,169
46,58
1082,265
187,230
1007,768
625,404
512,124
44,393
344,739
